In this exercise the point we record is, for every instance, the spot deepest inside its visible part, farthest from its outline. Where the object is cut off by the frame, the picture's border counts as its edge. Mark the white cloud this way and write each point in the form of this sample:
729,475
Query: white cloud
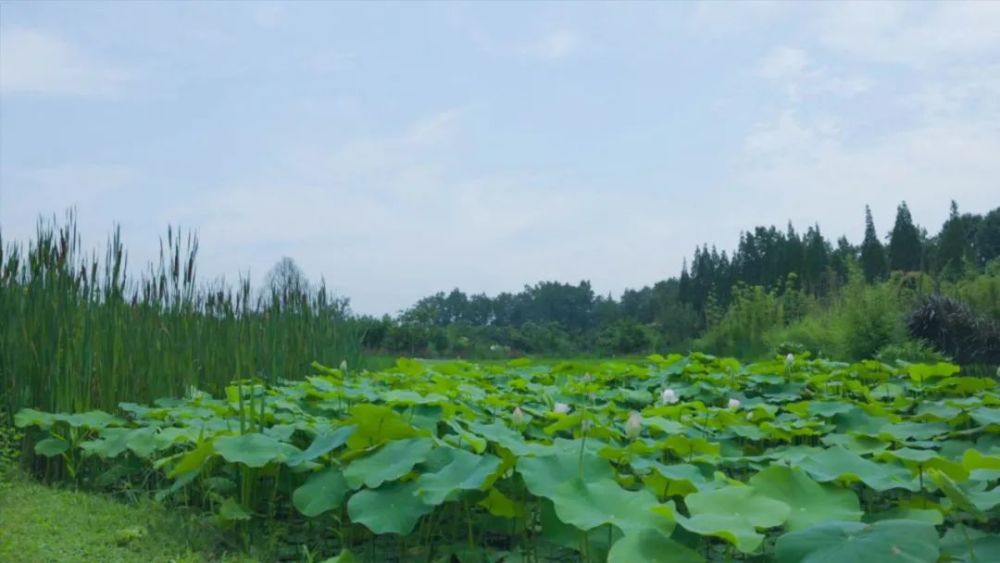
793,69
917,34
89,187
554,45
390,220
267,14
37,62
722,18
808,171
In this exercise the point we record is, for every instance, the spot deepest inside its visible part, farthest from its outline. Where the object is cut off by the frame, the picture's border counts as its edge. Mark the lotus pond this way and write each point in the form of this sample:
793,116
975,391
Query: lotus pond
678,458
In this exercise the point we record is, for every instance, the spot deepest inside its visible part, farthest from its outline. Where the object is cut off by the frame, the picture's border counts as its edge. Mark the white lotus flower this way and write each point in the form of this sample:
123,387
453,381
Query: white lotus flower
734,403
560,408
750,416
587,378
633,425
518,416
789,360
343,365
669,396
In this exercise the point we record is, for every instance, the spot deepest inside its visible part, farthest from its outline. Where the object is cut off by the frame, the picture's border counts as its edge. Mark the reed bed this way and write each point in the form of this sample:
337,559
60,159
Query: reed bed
77,332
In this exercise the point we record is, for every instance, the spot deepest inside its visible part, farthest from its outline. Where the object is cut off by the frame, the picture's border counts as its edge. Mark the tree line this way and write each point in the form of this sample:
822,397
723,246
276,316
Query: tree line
556,317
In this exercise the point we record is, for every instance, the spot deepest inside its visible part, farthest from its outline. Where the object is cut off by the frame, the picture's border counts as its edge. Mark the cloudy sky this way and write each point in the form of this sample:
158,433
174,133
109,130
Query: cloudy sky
401,149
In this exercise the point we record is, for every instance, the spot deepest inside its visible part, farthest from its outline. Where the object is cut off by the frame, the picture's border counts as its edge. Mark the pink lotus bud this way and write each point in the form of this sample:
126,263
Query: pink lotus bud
633,425
518,416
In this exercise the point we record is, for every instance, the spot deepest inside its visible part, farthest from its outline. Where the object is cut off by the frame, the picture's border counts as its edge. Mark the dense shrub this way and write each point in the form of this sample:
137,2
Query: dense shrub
953,328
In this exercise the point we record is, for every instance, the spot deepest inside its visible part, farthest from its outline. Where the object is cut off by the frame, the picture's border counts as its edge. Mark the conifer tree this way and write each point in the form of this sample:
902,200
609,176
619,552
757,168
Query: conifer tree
872,253
905,249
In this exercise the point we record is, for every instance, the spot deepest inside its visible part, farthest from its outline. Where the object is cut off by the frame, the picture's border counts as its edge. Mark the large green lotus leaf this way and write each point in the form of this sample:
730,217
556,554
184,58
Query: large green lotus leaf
811,503
921,460
923,372
678,479
321,492
852,542
388,463
51,447
376,424
981,467
253,449
856,443
829,408
32,417
965,544
113,441
465,472
664,425
462,437
983,499
838,463
859,421
499,505
390,509
986,416
94,420
542,475
733,513
503,436
904,431
930,515
956,495
589,503
145,441
560,533
322,444
192,461
651,546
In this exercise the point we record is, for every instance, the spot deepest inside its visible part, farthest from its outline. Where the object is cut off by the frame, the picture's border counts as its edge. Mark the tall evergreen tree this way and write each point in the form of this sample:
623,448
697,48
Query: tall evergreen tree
988,237
905,250
872,253
953,247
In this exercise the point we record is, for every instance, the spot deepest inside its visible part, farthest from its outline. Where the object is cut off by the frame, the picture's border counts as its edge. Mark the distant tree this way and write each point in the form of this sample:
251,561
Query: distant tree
286,278
988,238
953,246
905,250
872,252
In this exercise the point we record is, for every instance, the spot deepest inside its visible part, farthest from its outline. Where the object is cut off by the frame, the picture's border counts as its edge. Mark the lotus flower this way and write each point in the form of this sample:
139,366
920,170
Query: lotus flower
585,425
343,365
669,397
518,416
789,360
560,408
633,425
587,378
734,403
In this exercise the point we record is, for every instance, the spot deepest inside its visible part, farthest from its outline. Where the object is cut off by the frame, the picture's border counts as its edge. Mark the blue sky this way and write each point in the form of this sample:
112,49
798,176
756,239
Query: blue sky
401,149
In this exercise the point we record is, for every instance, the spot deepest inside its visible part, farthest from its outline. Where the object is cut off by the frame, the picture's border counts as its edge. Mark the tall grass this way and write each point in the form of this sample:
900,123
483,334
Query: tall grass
76,332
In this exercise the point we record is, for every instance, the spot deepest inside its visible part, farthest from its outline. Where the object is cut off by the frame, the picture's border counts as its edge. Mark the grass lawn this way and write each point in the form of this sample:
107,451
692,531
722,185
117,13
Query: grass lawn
40,524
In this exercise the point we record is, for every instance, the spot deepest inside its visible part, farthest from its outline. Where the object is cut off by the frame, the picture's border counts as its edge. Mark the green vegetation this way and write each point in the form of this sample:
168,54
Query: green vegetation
38,523
677,458
79,333
779,290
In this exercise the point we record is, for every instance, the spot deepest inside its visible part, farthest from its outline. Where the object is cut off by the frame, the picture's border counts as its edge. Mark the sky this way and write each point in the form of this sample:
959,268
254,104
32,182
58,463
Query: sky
397,150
